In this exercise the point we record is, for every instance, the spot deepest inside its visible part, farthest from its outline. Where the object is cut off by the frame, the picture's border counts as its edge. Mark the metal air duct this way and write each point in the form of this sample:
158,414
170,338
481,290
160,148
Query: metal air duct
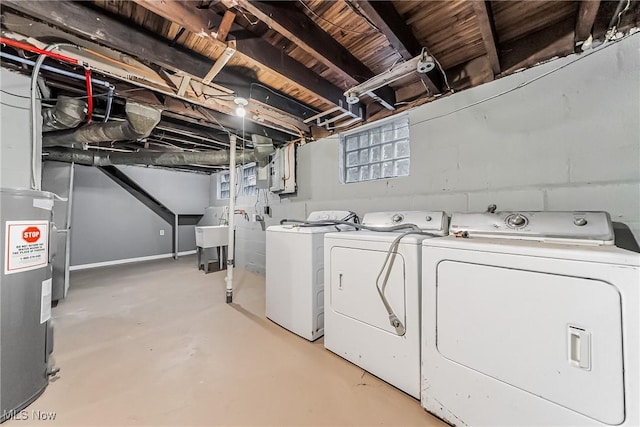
93,158
141,119
66,114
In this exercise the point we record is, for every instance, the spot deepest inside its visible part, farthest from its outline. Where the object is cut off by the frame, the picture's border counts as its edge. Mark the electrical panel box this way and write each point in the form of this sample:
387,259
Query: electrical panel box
263,178
283,170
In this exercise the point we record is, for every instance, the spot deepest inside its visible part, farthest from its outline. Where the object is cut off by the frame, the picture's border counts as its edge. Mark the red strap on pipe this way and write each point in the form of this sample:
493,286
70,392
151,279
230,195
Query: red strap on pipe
37,50
87,74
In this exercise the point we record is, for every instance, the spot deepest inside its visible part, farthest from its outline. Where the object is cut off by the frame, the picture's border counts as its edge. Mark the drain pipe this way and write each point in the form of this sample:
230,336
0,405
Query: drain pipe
232,209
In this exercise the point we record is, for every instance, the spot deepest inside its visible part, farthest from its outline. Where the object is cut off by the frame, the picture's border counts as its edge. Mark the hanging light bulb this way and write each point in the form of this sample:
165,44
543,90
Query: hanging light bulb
241,103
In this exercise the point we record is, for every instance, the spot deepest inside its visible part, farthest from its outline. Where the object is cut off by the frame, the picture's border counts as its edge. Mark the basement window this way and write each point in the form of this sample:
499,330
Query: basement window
245,182
375,152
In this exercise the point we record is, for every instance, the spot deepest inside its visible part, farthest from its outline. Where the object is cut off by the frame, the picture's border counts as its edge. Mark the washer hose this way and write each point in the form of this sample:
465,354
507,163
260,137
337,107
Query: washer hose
389,259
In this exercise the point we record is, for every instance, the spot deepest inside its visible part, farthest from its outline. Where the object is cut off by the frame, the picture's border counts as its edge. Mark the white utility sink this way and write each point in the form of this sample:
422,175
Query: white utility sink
212,236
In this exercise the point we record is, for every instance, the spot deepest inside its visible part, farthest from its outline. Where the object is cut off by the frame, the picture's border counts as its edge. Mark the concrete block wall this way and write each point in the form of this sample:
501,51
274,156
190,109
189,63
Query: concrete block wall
15,131
564,135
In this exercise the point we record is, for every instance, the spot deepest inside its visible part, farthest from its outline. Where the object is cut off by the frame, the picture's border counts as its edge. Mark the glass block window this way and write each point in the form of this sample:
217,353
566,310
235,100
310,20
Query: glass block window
377,152
223,186
246,182
249,178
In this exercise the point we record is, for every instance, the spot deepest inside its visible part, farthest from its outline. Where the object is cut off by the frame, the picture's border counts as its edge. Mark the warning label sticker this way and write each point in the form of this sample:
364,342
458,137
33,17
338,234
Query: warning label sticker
45,301
27,245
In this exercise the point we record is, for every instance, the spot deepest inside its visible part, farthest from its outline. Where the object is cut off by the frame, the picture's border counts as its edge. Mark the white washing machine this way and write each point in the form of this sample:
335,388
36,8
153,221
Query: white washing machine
358,326
295,274
531,320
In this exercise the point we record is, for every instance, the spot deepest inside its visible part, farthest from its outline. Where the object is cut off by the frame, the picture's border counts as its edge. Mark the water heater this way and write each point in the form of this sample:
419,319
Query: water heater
25,297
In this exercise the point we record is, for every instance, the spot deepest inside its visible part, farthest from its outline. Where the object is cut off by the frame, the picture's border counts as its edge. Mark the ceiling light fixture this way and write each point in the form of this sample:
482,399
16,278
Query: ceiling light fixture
241,103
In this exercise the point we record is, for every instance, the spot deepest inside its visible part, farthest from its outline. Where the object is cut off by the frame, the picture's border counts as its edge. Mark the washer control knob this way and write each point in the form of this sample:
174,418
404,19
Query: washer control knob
580,222
517,221
397,218
427,218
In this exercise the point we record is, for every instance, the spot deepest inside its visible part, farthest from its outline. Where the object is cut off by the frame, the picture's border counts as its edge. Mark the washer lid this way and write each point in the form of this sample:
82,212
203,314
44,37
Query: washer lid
307,230
328,215
432,222
376,236
574,227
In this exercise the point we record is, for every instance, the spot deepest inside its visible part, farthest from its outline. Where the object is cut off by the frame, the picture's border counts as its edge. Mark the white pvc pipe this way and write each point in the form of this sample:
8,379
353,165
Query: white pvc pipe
232,209
35,116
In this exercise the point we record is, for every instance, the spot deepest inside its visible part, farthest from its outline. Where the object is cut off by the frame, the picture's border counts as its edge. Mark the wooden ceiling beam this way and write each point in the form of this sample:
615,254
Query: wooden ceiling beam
544,44
586,17
307,35
391,24
385,16
487,30
253,50
91,24
225,25
297,27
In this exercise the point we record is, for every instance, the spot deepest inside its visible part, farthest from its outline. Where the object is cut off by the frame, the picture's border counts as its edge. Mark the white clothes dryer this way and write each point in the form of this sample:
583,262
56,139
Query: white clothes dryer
295,274
530,320
358,326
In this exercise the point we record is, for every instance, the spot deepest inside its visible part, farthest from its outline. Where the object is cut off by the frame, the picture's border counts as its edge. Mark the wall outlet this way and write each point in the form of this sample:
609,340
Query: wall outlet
162,232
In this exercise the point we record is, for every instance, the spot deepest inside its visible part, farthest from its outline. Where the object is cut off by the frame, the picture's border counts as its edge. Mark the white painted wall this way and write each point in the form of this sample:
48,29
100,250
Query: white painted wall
567,141
15,131
181,192
109,224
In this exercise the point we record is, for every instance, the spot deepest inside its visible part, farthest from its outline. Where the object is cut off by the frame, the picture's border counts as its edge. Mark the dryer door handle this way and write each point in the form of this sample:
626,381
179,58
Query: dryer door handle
579,347
339,281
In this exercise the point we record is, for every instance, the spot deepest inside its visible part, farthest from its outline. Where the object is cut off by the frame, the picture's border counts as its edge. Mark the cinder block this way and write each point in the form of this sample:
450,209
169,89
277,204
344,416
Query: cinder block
612,164
519,200
622,201
440,202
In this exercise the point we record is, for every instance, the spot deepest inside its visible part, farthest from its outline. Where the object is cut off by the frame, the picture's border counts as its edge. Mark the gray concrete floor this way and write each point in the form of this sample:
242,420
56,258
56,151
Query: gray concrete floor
155,343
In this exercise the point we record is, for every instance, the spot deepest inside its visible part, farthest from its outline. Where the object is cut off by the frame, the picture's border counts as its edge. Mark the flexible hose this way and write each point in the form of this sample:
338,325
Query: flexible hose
390,258
305,223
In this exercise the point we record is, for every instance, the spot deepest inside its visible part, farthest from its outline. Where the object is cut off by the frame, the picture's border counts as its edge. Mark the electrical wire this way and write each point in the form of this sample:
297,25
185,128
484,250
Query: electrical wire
521,85
446,81
289,147
363,33
87,74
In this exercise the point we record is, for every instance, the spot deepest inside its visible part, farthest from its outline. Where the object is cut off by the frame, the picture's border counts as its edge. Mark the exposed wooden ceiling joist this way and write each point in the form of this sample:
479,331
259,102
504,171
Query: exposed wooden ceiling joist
253,50
293,24
91,24
387,19
300,29
555,40
225,25
487,29
586,17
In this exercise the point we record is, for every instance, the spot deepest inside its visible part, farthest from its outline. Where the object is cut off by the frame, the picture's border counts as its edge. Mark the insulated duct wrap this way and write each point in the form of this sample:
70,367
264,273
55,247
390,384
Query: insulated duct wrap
141,119
92,158
66,114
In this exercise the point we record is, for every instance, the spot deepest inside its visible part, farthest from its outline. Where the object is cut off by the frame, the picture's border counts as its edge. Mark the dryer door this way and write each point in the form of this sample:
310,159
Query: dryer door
353,286
557,337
